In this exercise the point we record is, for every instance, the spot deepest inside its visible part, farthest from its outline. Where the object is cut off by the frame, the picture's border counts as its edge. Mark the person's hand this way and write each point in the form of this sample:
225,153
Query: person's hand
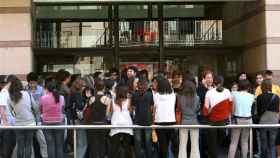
91,100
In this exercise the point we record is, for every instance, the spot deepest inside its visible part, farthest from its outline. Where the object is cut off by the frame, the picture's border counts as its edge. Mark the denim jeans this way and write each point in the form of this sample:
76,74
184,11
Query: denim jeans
268,138
82,143
184,134
24,139
42,143
54,139
143,143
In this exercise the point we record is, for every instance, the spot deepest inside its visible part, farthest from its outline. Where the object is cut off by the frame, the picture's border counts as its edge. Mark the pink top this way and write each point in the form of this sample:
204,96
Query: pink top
51,111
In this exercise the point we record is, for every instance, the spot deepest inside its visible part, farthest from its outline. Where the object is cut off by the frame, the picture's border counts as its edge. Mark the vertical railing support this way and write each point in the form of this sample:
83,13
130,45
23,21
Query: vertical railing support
251,143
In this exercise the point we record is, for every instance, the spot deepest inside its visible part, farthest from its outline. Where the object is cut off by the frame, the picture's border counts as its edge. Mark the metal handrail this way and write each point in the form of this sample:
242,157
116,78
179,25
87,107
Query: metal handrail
138,127
77,127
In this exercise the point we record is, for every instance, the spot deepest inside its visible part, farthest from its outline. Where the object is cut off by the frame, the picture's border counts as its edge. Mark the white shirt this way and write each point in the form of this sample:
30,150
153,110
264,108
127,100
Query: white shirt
4,101
164,107
213,97
121,117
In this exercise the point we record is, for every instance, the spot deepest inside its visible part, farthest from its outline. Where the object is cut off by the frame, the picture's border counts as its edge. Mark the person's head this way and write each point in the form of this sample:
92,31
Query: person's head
144,74
15,88
244,85
131,72
268,75
259,79
164,86
78,86
219,83
242,76
52,87
177,78
208,78
234,86
114,74
155,82
3,81
63,77
97,74
88,92
121,94
188,76
89,81
266,86
99,84
132,84
189,91
109,84
142,85
32,79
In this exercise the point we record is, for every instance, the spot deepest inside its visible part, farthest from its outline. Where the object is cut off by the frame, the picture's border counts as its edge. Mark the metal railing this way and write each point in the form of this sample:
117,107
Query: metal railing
77,127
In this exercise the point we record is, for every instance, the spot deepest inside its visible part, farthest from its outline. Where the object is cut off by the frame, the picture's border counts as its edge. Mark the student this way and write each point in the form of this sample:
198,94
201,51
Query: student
23,108
37,92
51,106
189,105
142,102
100,108
77,104
164,108
8,136
217,109
267,111
121,138
242,106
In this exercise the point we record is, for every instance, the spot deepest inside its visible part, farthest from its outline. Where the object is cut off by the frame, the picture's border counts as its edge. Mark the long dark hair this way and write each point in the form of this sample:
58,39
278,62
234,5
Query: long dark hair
121,94
219,83
189,92
52,88
164,86
15,88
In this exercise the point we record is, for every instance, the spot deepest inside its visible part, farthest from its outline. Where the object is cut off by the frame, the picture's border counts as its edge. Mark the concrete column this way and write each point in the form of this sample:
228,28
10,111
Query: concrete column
15,37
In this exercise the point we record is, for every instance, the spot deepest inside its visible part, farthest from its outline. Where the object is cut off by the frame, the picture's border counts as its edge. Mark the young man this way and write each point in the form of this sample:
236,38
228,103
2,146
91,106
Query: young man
37,91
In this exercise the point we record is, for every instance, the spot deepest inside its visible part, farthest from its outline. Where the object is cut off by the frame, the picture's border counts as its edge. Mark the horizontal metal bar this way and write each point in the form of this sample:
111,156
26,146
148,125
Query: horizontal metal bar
132,1
137,127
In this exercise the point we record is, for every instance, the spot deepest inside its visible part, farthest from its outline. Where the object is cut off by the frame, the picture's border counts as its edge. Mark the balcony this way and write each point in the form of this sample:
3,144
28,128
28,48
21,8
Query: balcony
176,33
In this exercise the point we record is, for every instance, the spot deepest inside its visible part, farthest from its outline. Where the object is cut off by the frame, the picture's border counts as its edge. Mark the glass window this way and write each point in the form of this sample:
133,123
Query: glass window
73,35
187,33
170,11
133,11
138,33
72,12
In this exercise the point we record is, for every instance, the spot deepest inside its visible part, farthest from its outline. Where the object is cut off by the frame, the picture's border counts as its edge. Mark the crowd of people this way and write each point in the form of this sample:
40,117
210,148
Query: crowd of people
131,98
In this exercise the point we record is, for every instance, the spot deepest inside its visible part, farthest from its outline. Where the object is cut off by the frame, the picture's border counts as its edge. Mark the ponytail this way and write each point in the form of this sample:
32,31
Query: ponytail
52,88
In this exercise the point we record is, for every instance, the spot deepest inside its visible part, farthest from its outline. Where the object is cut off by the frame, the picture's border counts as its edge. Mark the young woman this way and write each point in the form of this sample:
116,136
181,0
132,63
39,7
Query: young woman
242,105
267,111
100,107
51,106
189,105
121,138
22,106
164,108
217,109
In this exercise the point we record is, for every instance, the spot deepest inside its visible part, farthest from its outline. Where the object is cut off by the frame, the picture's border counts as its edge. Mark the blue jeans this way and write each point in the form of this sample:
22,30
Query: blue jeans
143,136
54,139
81,143
268,138
24,139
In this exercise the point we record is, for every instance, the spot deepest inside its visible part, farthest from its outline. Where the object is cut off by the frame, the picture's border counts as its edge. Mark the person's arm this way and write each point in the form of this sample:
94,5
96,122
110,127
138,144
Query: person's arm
35,108
206,107
258,91
3,116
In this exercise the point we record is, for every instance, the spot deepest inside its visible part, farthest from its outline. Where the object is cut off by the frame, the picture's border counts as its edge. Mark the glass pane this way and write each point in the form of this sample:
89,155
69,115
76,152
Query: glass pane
81,65
192,32
138,33
84,12
133,11
170,11
73,35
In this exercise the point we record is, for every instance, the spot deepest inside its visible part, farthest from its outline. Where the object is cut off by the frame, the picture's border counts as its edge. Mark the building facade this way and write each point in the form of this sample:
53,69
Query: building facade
227,36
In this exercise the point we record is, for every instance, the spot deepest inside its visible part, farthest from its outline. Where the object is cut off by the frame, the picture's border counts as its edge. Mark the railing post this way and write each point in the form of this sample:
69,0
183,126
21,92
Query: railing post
251,142
75,143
